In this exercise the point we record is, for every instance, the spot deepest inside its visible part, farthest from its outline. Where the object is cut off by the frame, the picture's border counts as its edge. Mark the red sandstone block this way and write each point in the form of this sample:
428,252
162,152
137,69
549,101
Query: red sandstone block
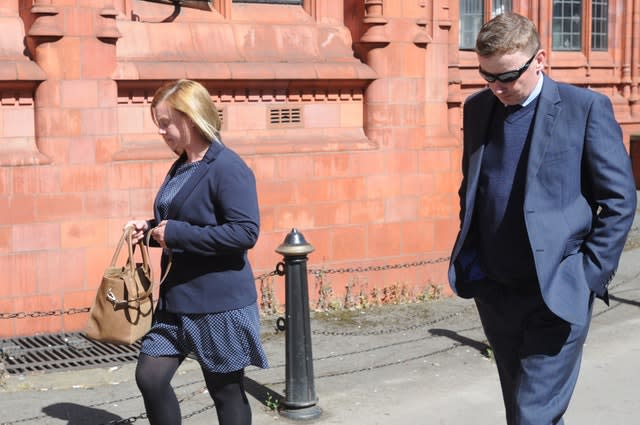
98,59
445,234
62,60
35,237
382,187
351,115
79,94
348,189
267,219
264,167
348,243
140,204
7,328
130,118
368,163
418,237
417,184
57,122
129,175
312,191
273,193
105,147
21,209
107,204
59,206
82,150
18,122
82,233
55,148
83,178
48,179
401,209
5,239
290,216
295,167
54,273
384,240
433,160
441,205
336,165
322,115
402,162
19,276
43,324
25,180
79,21
98,122
5,176
331,214
366,211
95,260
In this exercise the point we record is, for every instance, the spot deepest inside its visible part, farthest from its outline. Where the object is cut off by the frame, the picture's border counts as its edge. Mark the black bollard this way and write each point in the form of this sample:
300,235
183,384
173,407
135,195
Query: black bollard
300,395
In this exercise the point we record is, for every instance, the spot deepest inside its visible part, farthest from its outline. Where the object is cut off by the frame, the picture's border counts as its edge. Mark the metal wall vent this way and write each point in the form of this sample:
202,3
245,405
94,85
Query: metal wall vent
55,352
285,117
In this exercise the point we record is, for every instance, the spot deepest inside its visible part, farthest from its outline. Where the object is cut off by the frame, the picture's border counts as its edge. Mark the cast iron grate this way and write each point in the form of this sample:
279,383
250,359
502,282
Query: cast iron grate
56,352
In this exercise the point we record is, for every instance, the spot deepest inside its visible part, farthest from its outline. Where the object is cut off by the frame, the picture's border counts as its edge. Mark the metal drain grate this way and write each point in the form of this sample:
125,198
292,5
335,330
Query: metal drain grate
56,352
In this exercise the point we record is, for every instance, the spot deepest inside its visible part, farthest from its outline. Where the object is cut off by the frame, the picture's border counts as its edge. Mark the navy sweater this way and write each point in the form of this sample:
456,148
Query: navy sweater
504,244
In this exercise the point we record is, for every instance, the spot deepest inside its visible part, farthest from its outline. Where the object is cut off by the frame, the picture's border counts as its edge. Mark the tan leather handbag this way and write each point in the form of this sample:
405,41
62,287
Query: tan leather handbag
123,308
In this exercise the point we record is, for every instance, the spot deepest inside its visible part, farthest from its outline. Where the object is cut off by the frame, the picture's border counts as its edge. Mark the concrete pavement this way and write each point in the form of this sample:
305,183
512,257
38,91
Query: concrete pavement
409,364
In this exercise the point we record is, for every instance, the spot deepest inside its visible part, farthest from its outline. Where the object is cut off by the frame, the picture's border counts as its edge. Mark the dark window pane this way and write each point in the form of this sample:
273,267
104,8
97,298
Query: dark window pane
471,13
567,25
299,2
599,24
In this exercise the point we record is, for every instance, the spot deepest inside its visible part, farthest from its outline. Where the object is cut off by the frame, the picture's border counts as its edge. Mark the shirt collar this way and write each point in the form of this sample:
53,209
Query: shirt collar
536,91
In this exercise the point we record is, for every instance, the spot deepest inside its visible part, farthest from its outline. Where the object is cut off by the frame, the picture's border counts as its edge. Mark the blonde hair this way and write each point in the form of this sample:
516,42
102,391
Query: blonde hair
193,100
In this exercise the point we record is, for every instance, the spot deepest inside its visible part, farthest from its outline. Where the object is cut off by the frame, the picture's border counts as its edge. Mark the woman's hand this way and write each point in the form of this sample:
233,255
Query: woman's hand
139,227
157,233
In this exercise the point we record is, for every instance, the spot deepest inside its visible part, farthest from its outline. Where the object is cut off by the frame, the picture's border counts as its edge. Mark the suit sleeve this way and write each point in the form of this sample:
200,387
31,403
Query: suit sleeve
235,206
609,182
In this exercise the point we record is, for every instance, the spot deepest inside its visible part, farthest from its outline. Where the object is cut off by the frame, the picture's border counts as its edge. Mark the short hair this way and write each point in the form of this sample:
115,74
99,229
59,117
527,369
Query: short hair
507,33
193,100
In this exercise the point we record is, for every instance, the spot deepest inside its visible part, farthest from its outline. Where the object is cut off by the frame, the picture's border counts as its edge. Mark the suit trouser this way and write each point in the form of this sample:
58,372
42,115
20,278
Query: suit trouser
537,353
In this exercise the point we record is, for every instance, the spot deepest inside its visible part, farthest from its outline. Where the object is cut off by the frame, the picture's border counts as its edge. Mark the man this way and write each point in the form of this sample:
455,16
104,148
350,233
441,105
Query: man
547,199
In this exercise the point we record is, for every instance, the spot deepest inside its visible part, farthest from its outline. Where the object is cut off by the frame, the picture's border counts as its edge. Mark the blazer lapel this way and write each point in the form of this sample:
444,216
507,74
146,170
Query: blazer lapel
478,129
188,187
545,121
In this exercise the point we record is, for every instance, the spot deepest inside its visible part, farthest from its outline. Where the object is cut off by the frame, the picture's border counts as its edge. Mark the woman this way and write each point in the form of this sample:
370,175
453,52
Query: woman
206,218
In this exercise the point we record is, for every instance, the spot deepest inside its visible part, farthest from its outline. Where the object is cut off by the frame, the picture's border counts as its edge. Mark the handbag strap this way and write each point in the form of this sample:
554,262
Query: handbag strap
166,272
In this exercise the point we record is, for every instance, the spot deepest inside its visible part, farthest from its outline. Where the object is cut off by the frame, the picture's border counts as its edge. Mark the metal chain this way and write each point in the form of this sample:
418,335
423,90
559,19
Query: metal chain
58,312
317,272
278,271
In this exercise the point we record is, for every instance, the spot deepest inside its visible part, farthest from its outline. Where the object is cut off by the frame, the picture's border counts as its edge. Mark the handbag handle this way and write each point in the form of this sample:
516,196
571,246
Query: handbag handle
144,249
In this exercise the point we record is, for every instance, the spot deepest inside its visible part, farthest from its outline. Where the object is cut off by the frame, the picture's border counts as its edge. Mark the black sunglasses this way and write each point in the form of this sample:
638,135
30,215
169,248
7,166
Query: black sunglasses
509,76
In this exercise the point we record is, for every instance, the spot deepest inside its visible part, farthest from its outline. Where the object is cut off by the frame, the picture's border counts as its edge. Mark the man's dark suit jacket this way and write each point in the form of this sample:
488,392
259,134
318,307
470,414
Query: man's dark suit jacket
212,222
580,196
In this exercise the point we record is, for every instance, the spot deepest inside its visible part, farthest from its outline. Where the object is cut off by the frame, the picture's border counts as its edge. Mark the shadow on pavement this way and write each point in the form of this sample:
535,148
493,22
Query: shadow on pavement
77,414
477,345
264,395
624,300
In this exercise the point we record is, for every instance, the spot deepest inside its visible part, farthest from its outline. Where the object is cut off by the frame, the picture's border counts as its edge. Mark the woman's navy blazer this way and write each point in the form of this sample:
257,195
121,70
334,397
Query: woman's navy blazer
212,222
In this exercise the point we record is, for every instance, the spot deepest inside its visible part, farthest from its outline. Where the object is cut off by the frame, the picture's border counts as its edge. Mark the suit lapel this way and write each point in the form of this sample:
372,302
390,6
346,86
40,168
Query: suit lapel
478,128
544,123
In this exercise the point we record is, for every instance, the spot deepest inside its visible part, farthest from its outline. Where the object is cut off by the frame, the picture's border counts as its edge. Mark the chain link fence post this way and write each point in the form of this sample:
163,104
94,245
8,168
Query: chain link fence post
300,398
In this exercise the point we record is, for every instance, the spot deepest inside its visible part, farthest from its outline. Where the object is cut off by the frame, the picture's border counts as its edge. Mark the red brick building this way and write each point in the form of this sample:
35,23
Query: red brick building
348,111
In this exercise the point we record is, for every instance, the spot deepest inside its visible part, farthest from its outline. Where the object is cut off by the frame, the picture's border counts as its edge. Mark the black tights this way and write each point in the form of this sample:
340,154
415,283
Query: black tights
153,376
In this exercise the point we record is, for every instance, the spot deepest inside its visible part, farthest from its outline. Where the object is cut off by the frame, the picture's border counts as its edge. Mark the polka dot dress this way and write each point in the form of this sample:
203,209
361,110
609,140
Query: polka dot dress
221,342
